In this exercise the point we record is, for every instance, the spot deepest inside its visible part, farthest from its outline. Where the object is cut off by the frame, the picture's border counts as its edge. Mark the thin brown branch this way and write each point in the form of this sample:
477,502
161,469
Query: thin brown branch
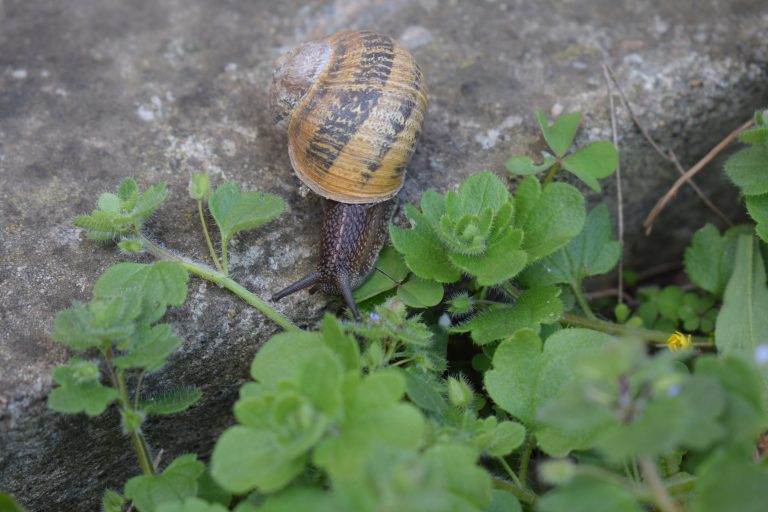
648,223
670,155
619,198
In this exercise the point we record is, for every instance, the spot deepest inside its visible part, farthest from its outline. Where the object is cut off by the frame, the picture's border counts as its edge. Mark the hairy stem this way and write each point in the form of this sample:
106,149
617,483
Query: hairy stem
582,300
225,256
522,495
525,458
208,237
222,280
623,330
658,490
551,174
510,472
137,438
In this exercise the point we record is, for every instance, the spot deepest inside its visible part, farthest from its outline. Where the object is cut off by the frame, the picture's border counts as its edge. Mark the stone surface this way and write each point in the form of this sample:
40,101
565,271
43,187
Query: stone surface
95,90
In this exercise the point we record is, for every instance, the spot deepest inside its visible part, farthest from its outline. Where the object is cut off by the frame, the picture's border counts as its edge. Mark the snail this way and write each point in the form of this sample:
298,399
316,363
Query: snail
354,102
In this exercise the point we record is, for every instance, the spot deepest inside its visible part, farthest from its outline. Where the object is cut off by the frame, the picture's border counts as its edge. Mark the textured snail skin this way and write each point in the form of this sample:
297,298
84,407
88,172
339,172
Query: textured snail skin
354,102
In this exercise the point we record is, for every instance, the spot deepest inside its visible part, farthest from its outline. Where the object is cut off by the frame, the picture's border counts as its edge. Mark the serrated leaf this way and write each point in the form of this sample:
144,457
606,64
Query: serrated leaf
591,253
235,211
480,191
420,293
757,135
524,166
757,206
424,252
149,348
748,170
534,307
110,502
171,401
177,482
149,201
560,135
549,218
524,377
742,323
159,285
500,262
79,389
594,162
97,324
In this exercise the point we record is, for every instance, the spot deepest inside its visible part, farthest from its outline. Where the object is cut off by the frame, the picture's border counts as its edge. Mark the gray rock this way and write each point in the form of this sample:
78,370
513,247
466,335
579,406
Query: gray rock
93,90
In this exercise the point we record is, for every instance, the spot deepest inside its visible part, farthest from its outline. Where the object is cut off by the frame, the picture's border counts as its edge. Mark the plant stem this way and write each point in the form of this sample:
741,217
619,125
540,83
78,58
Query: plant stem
582,300
523,495
222,280
525,458
623,330
511,473
551,174
656,486
208,237
139,443
225,256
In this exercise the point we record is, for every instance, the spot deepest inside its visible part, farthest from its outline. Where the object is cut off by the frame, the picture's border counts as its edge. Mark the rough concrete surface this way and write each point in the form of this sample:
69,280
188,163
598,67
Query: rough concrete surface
95,90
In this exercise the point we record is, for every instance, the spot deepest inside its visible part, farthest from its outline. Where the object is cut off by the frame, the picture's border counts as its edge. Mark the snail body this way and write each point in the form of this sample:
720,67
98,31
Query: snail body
354,103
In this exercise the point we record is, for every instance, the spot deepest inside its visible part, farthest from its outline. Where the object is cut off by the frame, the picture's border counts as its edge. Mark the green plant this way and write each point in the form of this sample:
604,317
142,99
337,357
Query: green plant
549,409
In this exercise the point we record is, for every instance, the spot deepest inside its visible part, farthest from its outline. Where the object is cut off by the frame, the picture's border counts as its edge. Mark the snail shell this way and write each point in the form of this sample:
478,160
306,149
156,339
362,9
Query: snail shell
354,102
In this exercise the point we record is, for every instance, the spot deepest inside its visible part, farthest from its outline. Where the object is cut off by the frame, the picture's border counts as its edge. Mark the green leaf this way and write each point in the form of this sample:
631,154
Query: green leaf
742,323
534,307
199,185
757,135
191,505
424,252
420,293
9,504
245,458
549,218
345,347
79,389
594,162
730,480
508,436
110,502
299,499
128,192
481,191
373,415
209,490
500,262
503,501
426,391
177,481
748,170
97,324
524,166
100,225
524,377
235,211
560,135
171,401
149,348
590,494
159,285
109,202
390,271
148,202
591,253
757,206
709,259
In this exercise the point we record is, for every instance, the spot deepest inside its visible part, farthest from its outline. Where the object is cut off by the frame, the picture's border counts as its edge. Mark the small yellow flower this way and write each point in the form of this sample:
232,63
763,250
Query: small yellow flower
678,341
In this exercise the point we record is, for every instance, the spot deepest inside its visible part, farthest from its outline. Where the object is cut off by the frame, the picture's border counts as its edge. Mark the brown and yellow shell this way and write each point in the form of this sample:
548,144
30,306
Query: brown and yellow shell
353,128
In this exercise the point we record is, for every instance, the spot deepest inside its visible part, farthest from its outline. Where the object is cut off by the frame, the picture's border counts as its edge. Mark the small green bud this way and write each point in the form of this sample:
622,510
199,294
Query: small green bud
199,185
621,311
131,420
461,304
130,245
459,393
557,472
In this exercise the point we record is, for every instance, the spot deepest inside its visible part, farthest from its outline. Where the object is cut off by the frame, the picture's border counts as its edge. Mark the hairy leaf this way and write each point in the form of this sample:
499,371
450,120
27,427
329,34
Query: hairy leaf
177,482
